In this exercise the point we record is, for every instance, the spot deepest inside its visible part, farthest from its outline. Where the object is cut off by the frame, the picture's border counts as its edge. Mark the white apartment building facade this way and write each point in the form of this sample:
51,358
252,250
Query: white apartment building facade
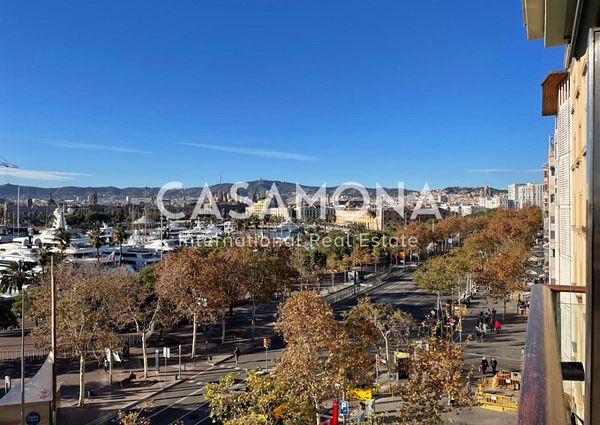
492,202
529,194
513,194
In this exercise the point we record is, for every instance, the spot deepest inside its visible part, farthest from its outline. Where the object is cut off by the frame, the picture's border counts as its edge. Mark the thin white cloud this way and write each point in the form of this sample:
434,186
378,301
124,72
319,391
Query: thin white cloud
265,153
504,170
73,145
40,175
94,147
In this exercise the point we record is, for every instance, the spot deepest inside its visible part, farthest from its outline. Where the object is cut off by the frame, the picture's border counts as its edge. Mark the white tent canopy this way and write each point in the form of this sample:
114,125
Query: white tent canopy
37,389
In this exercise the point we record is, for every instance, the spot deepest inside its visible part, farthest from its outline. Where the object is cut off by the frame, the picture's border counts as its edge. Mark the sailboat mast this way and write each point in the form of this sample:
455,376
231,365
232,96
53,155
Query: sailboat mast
145,214
18,210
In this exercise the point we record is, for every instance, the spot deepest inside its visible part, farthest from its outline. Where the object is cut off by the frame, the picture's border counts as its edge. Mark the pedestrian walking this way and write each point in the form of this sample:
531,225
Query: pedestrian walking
478,333
494,314
497,326
494,364
126,351
484,365
236,354
105,365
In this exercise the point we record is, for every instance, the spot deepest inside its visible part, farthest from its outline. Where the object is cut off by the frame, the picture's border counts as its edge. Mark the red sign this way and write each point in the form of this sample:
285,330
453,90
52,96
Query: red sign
334,414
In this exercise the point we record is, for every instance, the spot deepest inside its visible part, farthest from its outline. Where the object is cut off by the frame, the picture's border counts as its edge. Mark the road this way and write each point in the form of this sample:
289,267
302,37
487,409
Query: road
185,401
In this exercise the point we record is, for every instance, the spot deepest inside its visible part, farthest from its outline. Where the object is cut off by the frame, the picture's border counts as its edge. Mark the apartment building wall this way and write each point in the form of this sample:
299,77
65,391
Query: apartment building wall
570,247
552,252
562,144
360,217
573,305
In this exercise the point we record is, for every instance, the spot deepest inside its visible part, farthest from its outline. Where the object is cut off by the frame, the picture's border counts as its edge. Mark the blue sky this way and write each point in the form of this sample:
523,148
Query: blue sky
142,93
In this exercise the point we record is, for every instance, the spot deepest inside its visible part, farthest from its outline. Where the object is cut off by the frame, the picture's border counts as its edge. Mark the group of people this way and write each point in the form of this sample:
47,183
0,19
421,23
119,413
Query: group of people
123,356
485,365
487,322
522,306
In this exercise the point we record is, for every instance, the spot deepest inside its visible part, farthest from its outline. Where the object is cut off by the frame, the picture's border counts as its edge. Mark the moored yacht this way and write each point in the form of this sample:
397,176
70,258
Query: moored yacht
135,256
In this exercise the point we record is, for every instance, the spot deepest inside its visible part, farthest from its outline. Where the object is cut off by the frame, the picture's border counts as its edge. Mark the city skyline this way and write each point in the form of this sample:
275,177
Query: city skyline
183,99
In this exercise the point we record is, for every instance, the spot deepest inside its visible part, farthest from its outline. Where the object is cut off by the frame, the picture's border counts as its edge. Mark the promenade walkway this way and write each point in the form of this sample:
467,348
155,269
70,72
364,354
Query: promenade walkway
505,346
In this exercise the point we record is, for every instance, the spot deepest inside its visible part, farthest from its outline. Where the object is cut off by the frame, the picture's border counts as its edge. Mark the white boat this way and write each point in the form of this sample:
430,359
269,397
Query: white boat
106,233
175,227
201,234
14,256
165,245
135,256
78,251
288,226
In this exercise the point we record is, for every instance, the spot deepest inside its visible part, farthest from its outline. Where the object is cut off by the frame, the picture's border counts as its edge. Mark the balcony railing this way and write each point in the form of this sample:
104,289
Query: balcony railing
542,396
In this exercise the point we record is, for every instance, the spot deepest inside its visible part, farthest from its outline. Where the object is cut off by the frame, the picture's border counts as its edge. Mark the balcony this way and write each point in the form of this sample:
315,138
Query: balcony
542,398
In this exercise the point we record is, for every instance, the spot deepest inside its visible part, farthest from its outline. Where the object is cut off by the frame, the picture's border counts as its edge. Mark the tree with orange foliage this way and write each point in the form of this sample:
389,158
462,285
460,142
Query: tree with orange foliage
226,270
437,383
503,272
515,226
416,237
449,227
183,281
266,272
313,366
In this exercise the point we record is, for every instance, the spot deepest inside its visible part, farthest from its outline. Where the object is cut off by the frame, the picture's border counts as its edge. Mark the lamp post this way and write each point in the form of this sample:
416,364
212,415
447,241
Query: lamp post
53,332
22,356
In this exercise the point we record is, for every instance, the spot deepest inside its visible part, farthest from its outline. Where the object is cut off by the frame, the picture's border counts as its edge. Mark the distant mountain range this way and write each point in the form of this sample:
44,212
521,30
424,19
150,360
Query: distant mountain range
259,187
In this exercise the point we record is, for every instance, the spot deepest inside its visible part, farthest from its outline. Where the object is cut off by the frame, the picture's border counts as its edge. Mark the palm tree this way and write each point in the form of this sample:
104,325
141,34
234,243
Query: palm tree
44,255
15,278
118,236
96,241
63,238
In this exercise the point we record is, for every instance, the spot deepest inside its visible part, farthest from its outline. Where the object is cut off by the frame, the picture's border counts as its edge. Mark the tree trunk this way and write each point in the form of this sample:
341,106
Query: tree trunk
81,380
318,413
223,329
253,317
504,312
389,365
194,335
144,354
440,316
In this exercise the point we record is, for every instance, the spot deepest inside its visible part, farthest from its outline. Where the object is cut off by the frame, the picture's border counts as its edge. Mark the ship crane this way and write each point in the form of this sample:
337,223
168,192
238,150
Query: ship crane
4,163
